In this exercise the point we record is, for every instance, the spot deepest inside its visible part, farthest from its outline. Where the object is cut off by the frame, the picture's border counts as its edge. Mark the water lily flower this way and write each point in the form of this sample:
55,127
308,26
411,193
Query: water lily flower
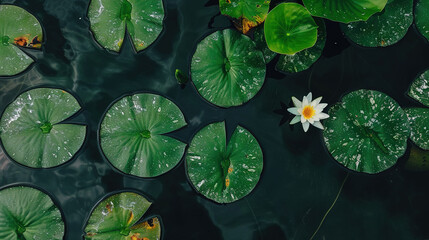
308,112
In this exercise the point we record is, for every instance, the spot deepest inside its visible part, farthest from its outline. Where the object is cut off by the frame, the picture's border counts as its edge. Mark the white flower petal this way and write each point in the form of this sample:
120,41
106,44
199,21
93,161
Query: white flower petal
309,97
303,119
296,102
295,120
304,101
316,101
318,125
323,115
320,106
293,111
305,126
311,120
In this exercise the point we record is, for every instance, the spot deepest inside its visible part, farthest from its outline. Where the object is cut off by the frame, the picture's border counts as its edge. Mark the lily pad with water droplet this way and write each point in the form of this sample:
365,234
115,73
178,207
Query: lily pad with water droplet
132,135
32,129
382,29
27,213
224,172
290,28
227,68
419,89
303,60
261,44
345,11
247,14
419,122
421,16
367,131
110,18
119,217
18,28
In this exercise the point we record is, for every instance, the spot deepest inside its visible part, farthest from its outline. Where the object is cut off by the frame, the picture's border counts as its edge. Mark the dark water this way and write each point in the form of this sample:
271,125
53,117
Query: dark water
299,180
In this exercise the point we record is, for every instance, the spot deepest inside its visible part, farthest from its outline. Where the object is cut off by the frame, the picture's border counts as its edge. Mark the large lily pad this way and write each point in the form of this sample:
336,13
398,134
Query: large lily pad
304,59
290,28
419,123
261,44
419,89
224,172
344,10
32,131
110,18
119,216
382,29
247,14
367,131
17,28
131,135
227,68
421,16
27,213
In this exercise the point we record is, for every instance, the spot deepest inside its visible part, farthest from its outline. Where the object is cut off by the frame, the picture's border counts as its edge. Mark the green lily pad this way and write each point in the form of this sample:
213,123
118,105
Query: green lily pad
421,15
419,123
419,89
290,28
367,131
32,131
224,172
17,28
247,14
227,68
261,44
118,217
27,213
418,159
110,18
382,29
304,59
131,135
345,11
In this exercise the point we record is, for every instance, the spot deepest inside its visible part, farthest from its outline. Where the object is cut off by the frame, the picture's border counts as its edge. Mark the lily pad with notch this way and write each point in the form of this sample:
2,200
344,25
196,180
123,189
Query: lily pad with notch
224,172
345,11
304,59
110,19
119,216
227,68
367,131
382,29
419,123
419,89
247,14
18,28
421,17
132,135
32,129
27,213
290,28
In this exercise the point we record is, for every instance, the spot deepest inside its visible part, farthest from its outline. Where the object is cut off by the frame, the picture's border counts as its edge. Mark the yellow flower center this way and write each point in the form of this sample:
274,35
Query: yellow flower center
308,112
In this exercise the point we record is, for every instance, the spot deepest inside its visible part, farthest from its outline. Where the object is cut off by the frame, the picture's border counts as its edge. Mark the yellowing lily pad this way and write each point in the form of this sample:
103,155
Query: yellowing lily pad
32,129
419,122
227,68
18,28
119,217
367,131
132,135
224,172
247,14
110,18
27,213
419,89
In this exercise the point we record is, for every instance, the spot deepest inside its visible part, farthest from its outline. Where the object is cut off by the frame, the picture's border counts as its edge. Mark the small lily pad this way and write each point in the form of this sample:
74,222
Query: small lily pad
419,89
224,172
345,11
131,135
119,217
418,159
18,28
247,14
227,68
110,18
290,28
419,123
27,213
32,131
382,29
421,16
304,59
367,131
261,44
